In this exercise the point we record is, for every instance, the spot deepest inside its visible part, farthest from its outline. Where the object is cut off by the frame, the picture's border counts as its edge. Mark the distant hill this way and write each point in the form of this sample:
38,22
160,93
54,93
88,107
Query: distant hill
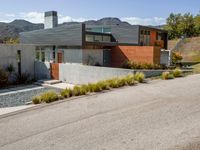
13,29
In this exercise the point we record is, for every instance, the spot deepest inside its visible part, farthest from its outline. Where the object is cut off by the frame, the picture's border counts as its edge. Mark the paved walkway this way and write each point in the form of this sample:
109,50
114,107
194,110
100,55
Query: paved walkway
157,116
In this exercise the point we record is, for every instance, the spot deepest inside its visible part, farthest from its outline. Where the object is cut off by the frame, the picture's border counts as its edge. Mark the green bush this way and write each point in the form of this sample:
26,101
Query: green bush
3,78
113,83
80,90
95,87
139,76
167,75
66,93
36,100
177,72
122,82
49,97
23,78
148,66
104,85
130,80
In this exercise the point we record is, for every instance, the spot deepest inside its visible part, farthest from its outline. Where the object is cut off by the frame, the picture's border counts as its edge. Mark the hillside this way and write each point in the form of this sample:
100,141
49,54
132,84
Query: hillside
12,29
190,48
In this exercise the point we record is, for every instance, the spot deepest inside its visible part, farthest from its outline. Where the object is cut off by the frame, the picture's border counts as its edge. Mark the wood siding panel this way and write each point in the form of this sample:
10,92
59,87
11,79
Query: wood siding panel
54,71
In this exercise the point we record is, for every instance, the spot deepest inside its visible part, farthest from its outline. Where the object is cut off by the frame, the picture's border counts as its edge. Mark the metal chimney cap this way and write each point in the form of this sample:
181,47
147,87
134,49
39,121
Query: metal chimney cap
51,13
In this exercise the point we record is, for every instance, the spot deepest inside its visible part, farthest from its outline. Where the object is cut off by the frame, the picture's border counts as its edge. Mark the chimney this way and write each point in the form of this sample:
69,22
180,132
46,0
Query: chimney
50,19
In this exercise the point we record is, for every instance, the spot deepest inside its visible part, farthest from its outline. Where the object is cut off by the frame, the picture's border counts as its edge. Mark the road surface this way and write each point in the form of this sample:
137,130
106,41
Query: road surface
159,115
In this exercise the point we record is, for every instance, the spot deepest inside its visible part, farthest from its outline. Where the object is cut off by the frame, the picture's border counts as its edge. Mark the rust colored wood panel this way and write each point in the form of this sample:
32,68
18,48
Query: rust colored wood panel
55,71
60,57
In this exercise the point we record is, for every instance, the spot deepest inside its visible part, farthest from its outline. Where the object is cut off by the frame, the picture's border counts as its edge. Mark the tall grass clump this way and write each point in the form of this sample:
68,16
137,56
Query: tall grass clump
49,97
130,80
177,73
167,75
66,93
139,76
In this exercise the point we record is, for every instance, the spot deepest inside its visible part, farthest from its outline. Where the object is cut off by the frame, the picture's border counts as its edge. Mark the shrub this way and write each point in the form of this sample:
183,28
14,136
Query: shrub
36,100
49,97
84,89
104,85
66,93
95,87
23,78
139,76
130,80
122,82
167,76
10,69
3,78
176,57
76,91
113,83
134,65
177,72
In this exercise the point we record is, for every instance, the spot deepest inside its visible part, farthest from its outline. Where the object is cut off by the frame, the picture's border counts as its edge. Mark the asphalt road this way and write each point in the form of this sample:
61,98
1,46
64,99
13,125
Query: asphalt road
155,116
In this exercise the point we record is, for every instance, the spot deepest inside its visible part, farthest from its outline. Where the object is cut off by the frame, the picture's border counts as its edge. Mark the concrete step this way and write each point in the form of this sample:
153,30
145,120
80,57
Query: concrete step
47,82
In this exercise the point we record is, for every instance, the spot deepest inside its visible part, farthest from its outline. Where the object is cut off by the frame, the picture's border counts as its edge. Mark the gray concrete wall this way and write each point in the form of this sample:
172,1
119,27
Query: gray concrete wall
80,74
165,57
8,55
42,70
93,56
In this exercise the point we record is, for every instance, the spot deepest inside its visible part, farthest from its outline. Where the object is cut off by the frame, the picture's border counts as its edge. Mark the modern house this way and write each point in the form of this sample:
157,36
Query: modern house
96,45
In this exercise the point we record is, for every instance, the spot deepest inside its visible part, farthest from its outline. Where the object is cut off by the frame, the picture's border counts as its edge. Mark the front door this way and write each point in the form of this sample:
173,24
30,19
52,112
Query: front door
60,57
106,57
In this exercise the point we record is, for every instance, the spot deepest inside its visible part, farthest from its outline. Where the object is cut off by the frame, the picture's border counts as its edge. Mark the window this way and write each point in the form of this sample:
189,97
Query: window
37,55
89,38
98,38
145,37
106,39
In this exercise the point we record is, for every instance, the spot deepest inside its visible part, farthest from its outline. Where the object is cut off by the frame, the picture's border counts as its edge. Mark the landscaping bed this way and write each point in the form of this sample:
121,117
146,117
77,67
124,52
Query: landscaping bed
21,97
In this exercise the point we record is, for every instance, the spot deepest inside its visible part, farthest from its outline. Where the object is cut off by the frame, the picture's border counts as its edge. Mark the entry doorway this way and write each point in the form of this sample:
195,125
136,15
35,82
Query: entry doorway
60,57
106,57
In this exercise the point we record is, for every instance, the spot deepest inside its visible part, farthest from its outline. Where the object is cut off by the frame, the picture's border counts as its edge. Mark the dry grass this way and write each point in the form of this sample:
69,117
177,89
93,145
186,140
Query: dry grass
196,68
190,49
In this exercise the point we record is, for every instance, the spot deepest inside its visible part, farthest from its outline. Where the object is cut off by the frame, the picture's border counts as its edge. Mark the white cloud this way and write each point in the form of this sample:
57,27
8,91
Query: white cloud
35,17
144,21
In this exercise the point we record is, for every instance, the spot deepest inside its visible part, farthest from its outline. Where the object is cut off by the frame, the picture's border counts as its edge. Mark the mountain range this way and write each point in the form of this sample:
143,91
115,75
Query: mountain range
12,29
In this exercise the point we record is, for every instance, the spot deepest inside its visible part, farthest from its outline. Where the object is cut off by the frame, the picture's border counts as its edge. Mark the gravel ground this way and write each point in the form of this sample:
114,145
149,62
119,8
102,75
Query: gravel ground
21,97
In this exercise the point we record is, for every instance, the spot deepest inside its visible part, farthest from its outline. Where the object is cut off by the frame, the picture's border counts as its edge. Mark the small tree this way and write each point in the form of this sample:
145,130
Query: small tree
176,57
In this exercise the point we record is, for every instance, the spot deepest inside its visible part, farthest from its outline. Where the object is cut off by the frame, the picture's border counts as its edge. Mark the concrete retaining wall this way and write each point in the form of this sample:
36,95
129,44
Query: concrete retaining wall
80,74
8,55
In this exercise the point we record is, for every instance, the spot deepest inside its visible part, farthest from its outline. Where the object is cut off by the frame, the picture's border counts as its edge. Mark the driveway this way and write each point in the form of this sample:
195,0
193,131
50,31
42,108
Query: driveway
156,116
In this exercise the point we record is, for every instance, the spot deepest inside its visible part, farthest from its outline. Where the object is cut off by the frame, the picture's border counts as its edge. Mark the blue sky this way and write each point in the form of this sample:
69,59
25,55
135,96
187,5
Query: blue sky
146,12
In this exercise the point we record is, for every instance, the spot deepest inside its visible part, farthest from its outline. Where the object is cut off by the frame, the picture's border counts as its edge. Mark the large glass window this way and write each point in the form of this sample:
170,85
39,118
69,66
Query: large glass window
89,38
98,38
145,38
106,39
